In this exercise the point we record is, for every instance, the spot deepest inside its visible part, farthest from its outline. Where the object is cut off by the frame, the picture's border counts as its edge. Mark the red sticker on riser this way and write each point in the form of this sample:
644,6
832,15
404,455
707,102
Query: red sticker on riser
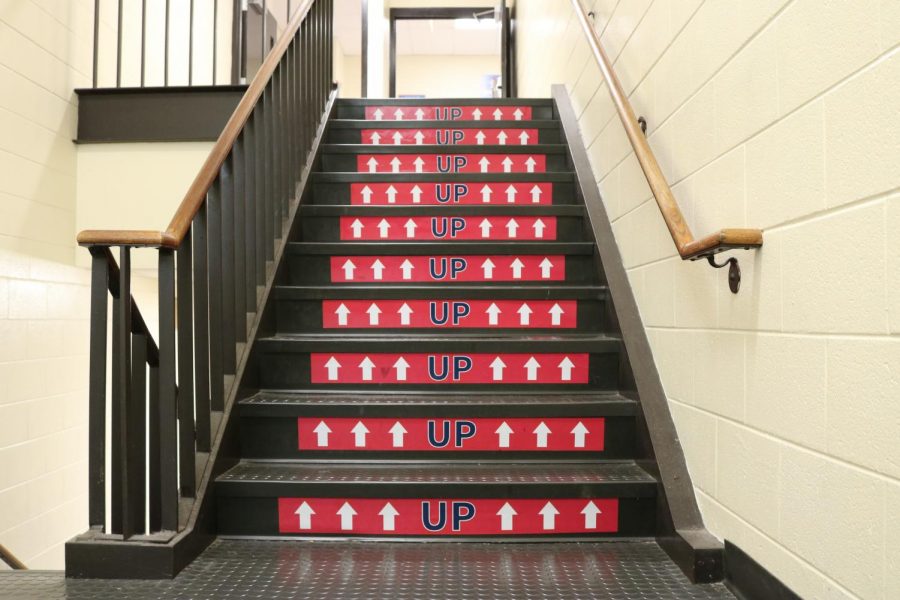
420,368
452,435
448,228
451,163
447,268
386,194
448,113
449,314
450,137
446,516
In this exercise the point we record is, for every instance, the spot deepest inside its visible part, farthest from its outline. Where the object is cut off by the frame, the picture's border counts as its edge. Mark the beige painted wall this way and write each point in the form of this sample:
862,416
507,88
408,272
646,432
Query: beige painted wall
780,114
347,72
446,76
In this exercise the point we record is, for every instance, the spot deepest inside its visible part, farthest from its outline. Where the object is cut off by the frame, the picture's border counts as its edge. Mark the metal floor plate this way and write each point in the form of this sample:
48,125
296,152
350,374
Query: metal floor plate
233,569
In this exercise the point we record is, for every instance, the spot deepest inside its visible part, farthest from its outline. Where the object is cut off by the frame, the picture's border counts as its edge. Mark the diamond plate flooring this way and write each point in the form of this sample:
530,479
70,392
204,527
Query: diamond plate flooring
232,569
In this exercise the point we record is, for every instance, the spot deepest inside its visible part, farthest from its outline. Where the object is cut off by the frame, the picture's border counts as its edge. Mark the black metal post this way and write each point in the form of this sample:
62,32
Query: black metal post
168,420
97,388
214,258
185,311
122,400
201,330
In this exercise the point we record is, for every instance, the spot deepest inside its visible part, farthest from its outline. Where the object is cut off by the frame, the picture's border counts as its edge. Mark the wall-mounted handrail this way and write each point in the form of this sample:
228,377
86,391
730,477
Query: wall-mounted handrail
688,247
10,559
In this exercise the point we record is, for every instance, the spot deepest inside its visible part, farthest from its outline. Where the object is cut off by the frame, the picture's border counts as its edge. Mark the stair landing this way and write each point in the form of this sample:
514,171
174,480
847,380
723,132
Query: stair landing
231,569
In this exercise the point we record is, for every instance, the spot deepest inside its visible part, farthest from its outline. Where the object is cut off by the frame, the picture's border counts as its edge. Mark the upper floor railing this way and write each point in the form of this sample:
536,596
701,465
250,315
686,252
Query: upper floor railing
214,260
689,248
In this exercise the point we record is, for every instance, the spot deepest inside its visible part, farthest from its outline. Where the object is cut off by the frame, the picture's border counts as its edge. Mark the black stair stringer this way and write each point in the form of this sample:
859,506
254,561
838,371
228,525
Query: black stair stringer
681,532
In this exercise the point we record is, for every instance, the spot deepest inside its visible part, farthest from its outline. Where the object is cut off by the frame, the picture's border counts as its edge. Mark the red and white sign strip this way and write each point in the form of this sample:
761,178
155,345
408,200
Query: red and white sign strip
451,193
451,163
449,137
452,435
435,314
448,113
448,228
440,517
416,368
499,267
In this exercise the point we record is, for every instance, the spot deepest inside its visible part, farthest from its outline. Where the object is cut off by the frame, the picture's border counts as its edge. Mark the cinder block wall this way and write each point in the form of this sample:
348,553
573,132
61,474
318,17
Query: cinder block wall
780,114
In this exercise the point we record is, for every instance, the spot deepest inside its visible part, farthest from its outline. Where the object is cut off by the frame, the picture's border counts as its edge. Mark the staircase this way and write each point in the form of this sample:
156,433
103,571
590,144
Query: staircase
440,358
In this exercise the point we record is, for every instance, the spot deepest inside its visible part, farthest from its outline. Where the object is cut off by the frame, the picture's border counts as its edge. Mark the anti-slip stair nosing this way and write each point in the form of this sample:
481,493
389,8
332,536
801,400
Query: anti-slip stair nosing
366,396
442,124
418,248
425,149
594,409
462,210
431,292
339,343
336,538
345,177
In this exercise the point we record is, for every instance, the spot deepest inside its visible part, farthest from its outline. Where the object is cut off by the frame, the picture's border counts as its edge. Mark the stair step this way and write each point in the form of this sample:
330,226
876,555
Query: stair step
436,158
442,210
437,499
351,108
404,291
509,133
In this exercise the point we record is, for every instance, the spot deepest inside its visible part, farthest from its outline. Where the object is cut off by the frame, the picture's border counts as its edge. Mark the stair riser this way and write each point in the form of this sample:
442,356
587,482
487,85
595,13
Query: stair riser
458,111
447,112
279,438
475,514
459,193
459,228
444,163
438,270
490,134
296,316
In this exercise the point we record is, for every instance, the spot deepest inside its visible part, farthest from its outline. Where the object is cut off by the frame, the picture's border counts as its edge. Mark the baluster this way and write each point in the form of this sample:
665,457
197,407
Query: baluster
268,163
97,388
168,417
122,509
201,329
259,177
184,300
154,493
277,156
300,160
240,277
214,258
227,267
283,162
137,431
250,203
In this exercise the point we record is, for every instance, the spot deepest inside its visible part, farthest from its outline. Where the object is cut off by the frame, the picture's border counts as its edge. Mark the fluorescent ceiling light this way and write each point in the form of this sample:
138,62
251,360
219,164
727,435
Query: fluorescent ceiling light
475,24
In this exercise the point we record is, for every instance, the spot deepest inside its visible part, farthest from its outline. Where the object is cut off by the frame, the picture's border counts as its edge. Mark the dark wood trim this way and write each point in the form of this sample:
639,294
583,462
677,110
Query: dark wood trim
683,534
749,580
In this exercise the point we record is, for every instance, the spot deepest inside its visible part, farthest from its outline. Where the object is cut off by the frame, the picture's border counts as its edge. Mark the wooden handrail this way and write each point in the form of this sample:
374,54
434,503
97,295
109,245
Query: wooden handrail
688,247
196,194
10,559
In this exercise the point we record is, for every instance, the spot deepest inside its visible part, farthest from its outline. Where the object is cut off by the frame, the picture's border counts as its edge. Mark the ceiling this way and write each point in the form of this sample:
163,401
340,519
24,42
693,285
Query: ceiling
415,36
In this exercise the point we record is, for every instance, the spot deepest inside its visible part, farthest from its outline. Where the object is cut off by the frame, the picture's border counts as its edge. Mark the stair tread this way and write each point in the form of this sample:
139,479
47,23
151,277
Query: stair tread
442,148
319,398
347,177
439,248
438,473
336,210
407,291
429,336
443,124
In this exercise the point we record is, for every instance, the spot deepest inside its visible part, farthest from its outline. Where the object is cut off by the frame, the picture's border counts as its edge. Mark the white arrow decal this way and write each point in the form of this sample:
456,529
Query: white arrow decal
388,514
546,266
503,432
539,228
322,432
484,163
524,314
476,114
485,226
419,137
501,138
518,114
401,365
517,268
498,115
348,269
579,432
377,269
406,268
541,432
347,513
397,432
342,311
304,513
373,311
511,227
366,366
493,310
556,312
507,165
391,194
378,114
420,114
367,195
332,365
404,311
357,228
395,165
523,137
416,194
590,512
488,267
398,114
383,227
373,165
479,138
565,368
497,367
359,432
531,368
419,163
486,192
376,138
410,227
549,513
398,138
529,164
511,192
536,194
506,514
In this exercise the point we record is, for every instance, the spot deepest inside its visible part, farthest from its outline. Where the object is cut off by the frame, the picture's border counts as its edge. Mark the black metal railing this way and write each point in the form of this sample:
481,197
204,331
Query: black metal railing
214,259
159,47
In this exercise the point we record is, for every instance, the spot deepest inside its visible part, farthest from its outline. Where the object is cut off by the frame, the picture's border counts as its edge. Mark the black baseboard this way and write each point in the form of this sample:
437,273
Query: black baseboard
748,580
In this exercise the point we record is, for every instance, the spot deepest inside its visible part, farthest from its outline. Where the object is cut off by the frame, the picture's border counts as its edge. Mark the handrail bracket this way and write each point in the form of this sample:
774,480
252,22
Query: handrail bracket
734,271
